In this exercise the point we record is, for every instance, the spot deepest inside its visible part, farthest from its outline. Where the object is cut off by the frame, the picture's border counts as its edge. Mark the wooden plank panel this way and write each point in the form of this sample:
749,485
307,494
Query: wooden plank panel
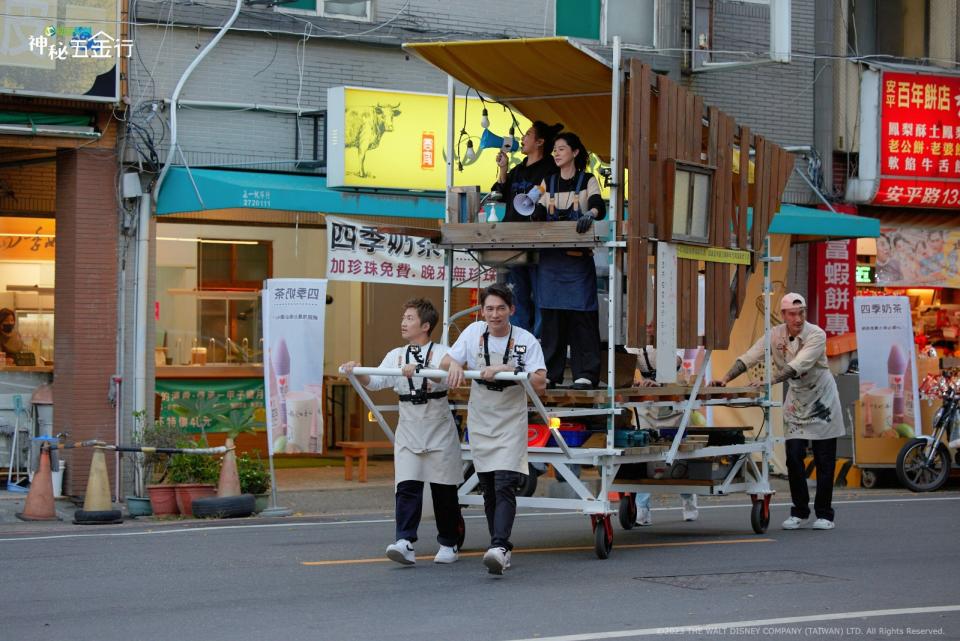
710,269
517,235
743,199
726,294
638,161
664,107
693,128
697,124
720,282
761,172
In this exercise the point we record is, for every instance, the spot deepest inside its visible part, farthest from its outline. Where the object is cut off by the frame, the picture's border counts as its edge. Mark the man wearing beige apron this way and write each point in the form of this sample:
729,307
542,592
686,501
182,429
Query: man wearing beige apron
426,447
811,406
497,411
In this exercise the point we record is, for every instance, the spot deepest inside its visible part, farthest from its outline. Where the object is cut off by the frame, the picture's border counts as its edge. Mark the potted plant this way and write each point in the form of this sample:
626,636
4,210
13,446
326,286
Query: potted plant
156,470
254,478
194,476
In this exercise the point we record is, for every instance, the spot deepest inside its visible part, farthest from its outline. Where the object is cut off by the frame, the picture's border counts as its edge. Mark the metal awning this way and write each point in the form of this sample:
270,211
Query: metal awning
817,224
549,79
199,190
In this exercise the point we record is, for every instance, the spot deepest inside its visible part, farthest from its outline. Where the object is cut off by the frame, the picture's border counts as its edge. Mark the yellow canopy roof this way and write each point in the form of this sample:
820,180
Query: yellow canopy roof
548,79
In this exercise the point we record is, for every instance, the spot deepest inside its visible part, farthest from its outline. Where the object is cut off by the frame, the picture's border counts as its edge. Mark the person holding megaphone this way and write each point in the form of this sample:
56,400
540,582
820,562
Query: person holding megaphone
567,278
517,186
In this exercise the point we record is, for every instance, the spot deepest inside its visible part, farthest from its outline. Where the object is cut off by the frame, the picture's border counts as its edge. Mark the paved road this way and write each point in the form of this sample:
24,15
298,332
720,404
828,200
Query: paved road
889,571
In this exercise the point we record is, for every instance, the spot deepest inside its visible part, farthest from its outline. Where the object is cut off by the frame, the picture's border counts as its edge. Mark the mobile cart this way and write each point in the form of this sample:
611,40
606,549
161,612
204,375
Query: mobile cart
680,155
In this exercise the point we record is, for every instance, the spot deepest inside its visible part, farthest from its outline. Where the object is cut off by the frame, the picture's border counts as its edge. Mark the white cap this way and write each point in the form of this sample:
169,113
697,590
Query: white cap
793,301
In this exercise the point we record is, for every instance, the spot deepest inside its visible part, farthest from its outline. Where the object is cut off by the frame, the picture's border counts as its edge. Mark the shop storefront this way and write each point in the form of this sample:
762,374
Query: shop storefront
210,266
909,179
60,80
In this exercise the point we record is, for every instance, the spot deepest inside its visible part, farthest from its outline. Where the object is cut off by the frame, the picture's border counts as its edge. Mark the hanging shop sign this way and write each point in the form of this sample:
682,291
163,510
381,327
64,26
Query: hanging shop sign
832,285
293,322
916,256
235,392
62,49
360,252
890,405
397,139
919,140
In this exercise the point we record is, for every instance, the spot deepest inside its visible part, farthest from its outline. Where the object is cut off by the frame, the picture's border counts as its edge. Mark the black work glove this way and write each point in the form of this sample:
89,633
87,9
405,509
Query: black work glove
584,223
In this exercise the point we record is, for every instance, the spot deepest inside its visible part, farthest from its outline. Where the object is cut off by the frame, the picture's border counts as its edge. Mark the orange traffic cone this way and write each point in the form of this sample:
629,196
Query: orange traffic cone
97,506
229,477
39,505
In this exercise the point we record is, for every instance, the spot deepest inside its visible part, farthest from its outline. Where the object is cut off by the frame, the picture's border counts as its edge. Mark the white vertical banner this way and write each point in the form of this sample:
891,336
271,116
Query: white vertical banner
293,323
888,367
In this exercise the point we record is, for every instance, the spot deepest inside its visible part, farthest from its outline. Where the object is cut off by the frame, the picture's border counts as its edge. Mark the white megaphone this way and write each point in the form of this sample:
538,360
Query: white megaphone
524,204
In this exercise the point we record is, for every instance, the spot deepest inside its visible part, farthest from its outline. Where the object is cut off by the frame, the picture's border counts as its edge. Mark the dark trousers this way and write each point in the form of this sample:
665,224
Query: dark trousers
446,509
578,330
523,281
825,459
500,504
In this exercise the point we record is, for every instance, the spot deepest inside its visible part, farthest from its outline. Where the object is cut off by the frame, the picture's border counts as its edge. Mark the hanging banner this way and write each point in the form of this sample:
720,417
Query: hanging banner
832,285
360,252
888,383
293,323
916,256
919,140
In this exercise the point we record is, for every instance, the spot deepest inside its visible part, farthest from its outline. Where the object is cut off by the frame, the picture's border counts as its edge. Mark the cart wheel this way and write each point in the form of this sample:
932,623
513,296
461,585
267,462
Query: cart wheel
868,479
461,531
627,514
758,519
602,536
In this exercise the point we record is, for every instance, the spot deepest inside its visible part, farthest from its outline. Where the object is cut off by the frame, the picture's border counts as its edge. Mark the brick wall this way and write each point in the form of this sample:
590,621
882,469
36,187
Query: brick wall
86,319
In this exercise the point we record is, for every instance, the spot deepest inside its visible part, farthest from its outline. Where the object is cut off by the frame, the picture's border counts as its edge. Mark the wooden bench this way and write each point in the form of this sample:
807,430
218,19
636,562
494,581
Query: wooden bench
359,449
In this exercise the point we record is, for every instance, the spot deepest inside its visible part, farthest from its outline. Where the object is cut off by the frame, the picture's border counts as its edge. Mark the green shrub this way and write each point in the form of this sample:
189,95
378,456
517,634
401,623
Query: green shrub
194,468
253,472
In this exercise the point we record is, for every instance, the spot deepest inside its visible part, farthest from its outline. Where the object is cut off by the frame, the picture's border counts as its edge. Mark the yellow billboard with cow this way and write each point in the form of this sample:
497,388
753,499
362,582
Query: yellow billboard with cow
397,139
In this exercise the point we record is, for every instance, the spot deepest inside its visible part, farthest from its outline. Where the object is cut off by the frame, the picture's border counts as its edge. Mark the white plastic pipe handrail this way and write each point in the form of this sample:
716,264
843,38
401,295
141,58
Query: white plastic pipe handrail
435,373
523,378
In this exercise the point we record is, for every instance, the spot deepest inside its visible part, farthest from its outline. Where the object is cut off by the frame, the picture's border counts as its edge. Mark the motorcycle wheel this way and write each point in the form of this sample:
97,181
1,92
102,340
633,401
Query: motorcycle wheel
913,471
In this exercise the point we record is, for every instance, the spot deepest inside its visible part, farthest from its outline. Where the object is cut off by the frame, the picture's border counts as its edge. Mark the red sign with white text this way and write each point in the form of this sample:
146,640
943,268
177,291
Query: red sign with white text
919,140
832,286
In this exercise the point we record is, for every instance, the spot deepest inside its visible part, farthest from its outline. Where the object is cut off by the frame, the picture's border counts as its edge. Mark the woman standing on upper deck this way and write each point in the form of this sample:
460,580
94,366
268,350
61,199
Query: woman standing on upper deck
537,145
567,296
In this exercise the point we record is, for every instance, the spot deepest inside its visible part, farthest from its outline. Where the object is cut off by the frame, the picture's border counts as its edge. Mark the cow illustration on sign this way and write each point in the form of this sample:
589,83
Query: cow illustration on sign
365,128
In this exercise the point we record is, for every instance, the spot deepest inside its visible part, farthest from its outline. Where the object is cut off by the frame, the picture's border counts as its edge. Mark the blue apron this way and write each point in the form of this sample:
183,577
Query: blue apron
567,277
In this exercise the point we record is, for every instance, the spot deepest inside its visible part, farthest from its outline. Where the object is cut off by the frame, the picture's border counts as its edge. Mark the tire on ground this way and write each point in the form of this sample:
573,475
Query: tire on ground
224,507
97,517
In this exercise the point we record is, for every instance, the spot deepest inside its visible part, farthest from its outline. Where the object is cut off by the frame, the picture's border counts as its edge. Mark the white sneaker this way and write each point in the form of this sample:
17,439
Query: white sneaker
644,517
447,554
497,560
402,552
794,523
690,511
822,524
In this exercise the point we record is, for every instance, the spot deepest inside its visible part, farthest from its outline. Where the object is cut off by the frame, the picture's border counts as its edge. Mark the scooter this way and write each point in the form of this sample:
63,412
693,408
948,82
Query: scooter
923,464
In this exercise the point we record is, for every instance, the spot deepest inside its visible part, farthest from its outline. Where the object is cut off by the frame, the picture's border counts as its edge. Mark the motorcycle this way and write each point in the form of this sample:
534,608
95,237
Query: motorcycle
923,464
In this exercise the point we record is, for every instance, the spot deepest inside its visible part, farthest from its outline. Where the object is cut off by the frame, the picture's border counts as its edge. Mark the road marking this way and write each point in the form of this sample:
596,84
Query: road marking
757,623
177,529
568,548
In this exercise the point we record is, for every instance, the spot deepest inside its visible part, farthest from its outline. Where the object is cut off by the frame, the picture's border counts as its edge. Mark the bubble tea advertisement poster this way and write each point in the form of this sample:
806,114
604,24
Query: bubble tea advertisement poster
293,321
889,398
